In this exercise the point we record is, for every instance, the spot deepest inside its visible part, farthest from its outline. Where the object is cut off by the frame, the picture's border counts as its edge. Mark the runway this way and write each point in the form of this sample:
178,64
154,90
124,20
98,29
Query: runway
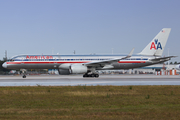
75,80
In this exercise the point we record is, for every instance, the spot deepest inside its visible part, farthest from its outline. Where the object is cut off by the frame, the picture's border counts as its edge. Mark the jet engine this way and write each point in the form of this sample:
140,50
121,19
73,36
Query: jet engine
78,68
66,69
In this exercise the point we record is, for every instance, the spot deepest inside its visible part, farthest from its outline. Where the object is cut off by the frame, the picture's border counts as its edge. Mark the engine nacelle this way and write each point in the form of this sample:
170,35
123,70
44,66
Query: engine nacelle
65,66
78,68
64,72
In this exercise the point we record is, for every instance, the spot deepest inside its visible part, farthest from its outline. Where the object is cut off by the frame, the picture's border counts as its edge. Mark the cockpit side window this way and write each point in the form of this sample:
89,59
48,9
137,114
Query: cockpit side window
10,60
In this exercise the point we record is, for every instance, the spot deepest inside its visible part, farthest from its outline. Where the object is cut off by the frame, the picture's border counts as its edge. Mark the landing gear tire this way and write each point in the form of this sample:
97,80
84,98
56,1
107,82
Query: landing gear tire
24,76
96,75
91,75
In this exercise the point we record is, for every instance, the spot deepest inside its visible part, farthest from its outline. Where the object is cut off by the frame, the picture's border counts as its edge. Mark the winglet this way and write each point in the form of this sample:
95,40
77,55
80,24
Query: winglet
130,54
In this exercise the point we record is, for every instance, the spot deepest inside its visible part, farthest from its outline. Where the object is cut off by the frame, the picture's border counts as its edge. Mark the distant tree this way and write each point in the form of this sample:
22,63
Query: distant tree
171,63
175,62
4,59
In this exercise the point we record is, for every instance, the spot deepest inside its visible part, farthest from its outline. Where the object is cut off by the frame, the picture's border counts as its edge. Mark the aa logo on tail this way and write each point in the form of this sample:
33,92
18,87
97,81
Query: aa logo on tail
156,45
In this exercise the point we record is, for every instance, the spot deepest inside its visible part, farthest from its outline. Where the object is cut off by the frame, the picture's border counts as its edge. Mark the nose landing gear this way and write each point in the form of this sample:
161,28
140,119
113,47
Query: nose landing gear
24,76
23,73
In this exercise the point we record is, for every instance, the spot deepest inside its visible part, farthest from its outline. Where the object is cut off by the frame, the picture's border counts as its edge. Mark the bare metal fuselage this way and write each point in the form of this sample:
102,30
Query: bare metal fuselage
54,61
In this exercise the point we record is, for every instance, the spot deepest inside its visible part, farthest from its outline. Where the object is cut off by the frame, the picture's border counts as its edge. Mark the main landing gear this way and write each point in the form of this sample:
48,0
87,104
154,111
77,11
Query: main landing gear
91,75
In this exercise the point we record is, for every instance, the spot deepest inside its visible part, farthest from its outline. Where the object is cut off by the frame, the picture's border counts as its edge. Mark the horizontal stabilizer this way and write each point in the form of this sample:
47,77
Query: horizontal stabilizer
163,58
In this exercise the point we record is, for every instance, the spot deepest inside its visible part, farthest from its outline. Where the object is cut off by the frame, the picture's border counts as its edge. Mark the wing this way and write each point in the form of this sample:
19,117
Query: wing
107,62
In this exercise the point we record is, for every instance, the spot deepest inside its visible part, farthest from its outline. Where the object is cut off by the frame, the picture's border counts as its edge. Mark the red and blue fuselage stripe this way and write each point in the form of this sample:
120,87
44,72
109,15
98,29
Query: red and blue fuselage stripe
72,59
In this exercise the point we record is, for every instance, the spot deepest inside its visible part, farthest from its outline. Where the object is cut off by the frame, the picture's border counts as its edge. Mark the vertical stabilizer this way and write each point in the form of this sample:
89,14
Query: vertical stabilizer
157,45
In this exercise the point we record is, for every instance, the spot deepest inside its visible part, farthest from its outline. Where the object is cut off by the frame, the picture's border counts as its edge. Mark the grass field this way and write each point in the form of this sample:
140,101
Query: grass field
90,102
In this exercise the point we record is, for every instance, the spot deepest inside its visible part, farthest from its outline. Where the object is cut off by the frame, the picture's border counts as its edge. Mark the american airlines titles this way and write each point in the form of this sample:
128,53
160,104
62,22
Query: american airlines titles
39,57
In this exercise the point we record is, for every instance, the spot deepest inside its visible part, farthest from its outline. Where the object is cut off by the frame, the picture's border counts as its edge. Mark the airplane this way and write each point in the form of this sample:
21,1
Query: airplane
177,67
89,64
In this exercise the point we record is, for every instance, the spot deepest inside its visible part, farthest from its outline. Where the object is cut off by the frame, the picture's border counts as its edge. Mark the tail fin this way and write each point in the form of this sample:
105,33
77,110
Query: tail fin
157,45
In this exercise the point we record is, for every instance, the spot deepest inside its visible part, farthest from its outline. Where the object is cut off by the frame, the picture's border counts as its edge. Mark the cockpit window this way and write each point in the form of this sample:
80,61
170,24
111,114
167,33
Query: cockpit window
10,60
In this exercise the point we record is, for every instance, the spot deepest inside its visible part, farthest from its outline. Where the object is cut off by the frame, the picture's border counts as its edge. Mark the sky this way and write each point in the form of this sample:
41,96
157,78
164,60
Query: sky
86,26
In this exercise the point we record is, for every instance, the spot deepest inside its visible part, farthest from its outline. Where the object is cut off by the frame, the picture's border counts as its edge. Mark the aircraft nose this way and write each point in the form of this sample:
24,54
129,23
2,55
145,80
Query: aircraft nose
177,67
4,65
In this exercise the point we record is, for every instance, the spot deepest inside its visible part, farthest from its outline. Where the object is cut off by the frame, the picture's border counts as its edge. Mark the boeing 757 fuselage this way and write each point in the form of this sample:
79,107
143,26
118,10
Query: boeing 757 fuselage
89,64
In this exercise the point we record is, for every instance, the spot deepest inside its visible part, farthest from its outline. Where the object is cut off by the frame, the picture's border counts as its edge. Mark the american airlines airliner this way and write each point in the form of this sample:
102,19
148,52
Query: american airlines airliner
177,67
89,64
